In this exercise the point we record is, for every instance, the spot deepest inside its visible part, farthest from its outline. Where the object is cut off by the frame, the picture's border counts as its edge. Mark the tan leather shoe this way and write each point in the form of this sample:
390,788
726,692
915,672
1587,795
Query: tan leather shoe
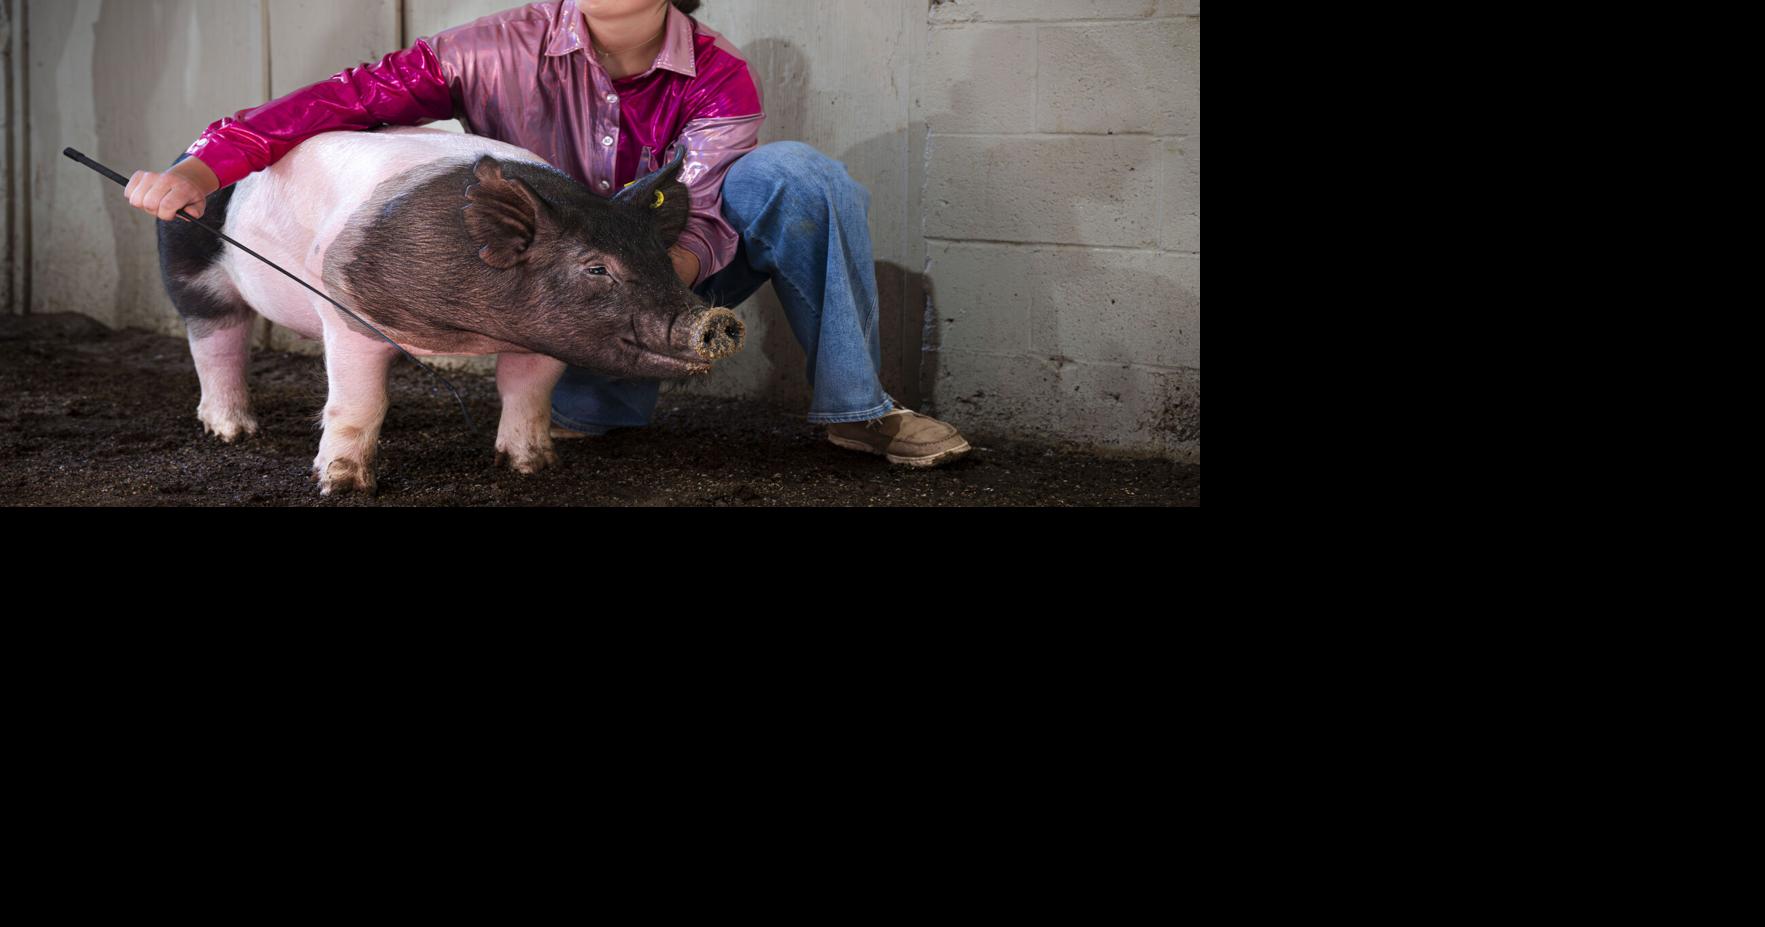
903,436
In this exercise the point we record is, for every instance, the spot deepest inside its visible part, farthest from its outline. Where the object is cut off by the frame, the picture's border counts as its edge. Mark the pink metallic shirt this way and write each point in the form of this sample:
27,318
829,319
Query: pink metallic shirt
528,76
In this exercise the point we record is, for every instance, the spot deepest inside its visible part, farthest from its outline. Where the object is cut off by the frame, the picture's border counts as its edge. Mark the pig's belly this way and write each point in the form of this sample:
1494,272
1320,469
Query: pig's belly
465,344
274,296
293,211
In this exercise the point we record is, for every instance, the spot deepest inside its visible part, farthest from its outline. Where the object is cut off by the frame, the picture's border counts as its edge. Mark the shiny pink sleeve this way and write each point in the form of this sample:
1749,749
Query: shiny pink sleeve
724,125
406,88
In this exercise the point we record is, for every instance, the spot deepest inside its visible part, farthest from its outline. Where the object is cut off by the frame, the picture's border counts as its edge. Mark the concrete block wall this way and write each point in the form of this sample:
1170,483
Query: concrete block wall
14,290
1062,219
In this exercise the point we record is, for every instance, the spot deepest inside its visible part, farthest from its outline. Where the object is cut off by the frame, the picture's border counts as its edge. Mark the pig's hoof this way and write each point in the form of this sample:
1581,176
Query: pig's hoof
345,476
528,460
229,425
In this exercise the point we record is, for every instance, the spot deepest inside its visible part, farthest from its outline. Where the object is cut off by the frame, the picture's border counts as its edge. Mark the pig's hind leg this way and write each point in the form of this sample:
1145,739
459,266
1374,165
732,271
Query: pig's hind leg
216,317
221,355
524,436
356,368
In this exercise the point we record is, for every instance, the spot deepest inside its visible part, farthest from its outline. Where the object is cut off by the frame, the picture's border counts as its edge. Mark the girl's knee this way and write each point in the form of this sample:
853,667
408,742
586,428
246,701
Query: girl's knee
790,163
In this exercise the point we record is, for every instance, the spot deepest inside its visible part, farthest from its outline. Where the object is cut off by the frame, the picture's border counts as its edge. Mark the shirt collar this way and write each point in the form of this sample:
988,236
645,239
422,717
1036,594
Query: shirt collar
570,33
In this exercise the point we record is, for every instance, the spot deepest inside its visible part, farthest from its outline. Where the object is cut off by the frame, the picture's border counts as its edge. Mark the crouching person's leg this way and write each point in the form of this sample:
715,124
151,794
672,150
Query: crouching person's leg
587,403
805,222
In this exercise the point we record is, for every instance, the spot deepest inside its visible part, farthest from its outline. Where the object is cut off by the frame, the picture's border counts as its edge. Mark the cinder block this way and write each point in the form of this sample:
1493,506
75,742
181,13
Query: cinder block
1106,405
1179,204
1090,189
982,295
992,393
1119,406
1120,77
1133,307
980,80
969,11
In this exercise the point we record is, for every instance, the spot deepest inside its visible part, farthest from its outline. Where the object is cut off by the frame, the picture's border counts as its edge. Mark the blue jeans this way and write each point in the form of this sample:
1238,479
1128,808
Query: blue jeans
803,224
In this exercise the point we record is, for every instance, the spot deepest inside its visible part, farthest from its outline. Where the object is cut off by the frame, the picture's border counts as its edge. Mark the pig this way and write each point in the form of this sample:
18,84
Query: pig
450,244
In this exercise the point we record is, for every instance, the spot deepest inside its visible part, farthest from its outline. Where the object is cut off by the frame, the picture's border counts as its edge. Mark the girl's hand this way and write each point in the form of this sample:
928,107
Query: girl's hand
185,186
686,264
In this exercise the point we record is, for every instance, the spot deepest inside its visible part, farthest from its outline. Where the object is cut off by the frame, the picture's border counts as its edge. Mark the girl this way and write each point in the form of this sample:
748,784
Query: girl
605,90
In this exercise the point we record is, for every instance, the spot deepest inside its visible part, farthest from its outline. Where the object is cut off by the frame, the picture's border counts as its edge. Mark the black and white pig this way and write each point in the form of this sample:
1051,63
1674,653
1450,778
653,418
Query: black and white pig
449,244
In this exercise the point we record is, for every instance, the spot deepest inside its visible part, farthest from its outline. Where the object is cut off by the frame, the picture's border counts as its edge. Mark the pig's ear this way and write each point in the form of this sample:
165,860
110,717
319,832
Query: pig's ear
662,193
502,214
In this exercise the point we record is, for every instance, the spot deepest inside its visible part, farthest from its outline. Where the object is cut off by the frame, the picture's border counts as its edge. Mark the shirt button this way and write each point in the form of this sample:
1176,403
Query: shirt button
605,185
612,98
607,140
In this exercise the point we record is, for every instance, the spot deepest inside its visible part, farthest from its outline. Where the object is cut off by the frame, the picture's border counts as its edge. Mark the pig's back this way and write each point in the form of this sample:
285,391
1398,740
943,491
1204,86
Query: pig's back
331,174
294,210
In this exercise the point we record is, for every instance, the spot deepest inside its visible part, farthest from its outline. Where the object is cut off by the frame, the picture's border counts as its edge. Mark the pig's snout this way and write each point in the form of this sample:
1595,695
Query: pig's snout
716,334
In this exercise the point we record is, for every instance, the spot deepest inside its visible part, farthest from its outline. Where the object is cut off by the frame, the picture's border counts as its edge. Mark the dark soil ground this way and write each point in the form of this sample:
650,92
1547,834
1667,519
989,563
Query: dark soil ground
92,417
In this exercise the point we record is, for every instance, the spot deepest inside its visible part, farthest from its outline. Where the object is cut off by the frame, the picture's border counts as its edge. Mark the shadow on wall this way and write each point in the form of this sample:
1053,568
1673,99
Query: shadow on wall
127,73
48,21
1041,340
774,365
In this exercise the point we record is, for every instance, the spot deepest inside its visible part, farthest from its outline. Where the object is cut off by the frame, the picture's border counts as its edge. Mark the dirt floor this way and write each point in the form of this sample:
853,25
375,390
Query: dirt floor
92,417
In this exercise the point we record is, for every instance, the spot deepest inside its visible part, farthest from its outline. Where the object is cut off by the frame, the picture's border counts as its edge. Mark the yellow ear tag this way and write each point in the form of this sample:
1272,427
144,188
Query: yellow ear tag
660,199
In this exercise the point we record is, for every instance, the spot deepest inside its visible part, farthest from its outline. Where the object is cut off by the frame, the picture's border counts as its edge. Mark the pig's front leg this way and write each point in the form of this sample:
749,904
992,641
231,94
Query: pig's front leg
357,367
524,437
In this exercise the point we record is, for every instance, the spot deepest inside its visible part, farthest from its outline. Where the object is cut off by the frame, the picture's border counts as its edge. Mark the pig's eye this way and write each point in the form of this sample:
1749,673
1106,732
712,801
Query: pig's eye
598,270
